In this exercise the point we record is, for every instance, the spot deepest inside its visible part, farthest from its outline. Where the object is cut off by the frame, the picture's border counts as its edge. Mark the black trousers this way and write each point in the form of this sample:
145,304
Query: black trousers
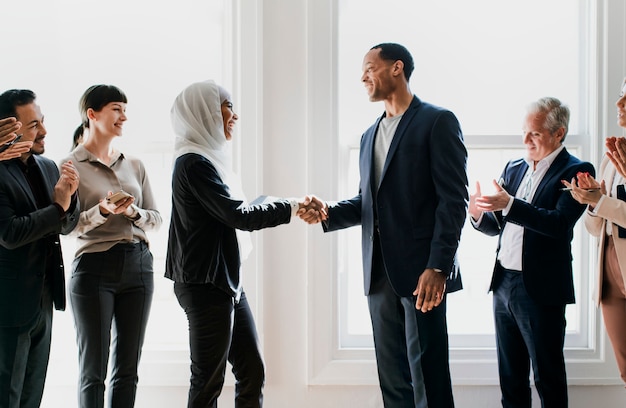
526,332
24,355
411,347
221,330
111,293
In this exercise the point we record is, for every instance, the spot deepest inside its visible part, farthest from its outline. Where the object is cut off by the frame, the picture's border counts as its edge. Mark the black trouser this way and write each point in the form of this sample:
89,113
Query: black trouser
411,347
24,354
111,290
221,330
526,332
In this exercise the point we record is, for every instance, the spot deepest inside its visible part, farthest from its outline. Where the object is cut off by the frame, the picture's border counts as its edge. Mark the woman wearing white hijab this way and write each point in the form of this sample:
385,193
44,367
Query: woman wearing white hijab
208,240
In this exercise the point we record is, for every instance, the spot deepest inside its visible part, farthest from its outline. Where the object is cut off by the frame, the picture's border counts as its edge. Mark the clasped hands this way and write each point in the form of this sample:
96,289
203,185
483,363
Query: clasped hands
312,210
587,190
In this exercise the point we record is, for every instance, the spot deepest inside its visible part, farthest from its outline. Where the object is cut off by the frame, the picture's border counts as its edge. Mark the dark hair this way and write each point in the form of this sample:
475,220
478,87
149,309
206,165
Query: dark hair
13,98
395,52
78,136
97,97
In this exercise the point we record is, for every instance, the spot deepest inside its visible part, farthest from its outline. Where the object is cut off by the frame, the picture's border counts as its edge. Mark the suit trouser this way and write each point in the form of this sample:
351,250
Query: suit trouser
111,291
528,332
221,330
614,305
411,347
24,355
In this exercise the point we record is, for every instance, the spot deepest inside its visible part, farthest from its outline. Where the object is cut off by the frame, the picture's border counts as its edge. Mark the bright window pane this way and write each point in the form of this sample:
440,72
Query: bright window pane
59,48
486,79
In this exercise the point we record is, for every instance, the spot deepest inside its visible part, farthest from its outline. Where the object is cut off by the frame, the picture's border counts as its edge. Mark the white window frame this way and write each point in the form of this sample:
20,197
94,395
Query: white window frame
605,61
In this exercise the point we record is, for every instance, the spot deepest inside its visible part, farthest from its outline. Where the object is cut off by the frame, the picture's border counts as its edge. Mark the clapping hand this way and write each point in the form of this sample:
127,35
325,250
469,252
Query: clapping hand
617,153
67,185
8,129
585,189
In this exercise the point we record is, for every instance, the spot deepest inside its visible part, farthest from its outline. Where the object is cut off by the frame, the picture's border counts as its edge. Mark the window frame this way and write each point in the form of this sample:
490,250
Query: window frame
603,62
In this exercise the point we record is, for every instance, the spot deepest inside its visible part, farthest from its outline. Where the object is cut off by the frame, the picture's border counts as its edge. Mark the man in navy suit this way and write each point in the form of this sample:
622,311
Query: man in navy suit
36,204
532,279
411,206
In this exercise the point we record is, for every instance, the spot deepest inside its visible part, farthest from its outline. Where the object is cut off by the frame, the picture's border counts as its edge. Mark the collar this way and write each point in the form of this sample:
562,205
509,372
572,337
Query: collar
546,161
83,154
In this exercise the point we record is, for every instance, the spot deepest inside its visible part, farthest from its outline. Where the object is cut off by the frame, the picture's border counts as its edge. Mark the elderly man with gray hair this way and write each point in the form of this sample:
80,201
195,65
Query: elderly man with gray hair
532,280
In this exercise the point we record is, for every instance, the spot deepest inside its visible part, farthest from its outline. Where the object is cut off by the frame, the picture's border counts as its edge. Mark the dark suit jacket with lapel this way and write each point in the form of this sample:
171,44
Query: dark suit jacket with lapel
27,235
548,223
421,201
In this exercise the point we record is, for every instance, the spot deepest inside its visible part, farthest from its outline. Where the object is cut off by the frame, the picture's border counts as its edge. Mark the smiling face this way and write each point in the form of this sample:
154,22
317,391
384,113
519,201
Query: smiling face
32,128
378,75
229,118
539,141
109,120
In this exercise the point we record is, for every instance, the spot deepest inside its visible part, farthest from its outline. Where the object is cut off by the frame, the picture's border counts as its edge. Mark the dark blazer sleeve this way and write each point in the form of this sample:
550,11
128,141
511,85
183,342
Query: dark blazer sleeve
21,224
214,197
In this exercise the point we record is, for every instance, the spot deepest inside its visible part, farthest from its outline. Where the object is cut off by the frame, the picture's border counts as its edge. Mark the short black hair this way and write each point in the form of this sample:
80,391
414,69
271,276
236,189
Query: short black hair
395,52
11,99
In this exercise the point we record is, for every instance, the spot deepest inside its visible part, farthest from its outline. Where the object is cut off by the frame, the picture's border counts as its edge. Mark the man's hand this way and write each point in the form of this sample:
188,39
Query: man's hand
494,202
312,210
473,209
67,185
431,288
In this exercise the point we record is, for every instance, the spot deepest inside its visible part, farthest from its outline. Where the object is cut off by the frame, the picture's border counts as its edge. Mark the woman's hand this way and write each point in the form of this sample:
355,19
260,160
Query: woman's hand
616,152
122,206
585,189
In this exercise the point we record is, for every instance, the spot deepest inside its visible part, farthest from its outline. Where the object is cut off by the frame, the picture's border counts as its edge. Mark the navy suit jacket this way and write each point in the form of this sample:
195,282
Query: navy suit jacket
27,236
548,223
420,203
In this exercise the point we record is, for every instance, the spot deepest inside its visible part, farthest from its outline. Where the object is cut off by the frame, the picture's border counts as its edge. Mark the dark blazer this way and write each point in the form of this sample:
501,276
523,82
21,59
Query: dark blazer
27,236
548,223
421,201
202,245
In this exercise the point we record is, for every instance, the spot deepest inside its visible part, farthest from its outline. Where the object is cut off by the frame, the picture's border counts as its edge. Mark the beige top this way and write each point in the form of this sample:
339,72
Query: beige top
96,233
612,211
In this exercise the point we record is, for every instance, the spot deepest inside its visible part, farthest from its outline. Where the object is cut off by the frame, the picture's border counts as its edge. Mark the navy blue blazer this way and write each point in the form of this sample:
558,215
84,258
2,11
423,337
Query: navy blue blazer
27,236
548,223
420,203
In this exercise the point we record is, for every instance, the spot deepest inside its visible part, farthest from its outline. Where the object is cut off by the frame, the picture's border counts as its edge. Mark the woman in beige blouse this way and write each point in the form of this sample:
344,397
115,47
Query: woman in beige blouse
112,277
606,219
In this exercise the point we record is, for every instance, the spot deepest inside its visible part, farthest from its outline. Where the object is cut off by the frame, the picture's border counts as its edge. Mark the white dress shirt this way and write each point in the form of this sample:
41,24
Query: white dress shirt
511,243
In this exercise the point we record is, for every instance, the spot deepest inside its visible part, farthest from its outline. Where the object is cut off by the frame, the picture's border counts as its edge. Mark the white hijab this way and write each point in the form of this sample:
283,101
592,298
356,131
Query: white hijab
197,121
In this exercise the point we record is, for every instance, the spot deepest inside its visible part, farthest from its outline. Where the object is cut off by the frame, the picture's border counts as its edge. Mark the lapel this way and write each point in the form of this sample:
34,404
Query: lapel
17,173
516,177
368,145
407,117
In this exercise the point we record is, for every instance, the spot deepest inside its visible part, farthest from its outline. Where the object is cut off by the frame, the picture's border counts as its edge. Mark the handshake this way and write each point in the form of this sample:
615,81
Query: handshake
312,210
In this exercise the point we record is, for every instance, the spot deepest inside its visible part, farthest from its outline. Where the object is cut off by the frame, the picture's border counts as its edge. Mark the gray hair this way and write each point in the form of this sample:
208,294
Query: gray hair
557,114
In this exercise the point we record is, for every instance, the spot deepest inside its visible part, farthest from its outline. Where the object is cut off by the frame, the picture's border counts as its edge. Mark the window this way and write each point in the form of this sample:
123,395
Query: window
66,46
486,79
467,74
